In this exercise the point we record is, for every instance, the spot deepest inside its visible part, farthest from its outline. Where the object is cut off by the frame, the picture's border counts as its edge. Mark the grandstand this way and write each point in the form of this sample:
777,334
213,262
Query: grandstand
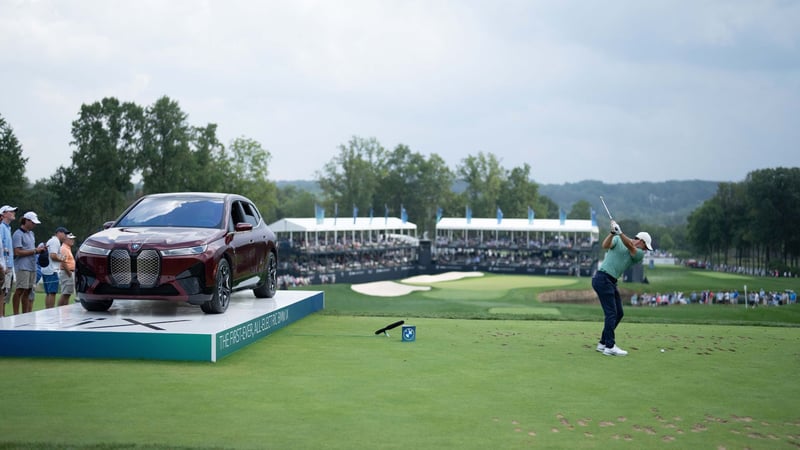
347,250
364,249
540,246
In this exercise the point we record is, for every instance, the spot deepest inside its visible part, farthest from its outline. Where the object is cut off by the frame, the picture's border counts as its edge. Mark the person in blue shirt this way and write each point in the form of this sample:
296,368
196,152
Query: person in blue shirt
25,251
7,215
622,253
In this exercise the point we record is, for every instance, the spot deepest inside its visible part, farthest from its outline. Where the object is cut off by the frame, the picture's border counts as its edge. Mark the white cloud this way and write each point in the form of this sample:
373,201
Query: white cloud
576,89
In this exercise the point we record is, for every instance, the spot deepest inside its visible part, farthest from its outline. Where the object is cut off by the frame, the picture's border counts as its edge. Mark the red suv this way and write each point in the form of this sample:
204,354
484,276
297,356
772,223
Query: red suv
190,247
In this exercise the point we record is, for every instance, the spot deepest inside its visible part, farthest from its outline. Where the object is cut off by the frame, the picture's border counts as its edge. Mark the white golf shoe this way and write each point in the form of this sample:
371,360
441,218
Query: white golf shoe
601,348
614,351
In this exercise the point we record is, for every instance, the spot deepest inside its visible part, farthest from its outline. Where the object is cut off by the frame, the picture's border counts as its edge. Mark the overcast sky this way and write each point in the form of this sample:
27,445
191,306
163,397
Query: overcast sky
619,91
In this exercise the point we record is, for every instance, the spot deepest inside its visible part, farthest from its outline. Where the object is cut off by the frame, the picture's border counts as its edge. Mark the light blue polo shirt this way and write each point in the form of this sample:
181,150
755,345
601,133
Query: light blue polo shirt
26,241
618,258
8,245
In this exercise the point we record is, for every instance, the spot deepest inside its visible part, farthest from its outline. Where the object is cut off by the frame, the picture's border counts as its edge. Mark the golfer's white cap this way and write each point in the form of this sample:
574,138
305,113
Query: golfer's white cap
645,236
5,208
30,215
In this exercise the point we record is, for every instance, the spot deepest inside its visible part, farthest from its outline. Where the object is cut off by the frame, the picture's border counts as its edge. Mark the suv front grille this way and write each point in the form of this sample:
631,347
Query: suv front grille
143,268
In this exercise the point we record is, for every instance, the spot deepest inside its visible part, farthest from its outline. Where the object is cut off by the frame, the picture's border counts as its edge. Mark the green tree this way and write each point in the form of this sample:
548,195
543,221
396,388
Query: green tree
418,184
166,157
545,207
247,169
485,178
518,192
96,187
209,160
352,177
773,197
12,166
580,210
294,202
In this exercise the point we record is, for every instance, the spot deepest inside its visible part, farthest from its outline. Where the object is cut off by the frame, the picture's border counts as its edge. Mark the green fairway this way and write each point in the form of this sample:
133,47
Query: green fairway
329,382
529,377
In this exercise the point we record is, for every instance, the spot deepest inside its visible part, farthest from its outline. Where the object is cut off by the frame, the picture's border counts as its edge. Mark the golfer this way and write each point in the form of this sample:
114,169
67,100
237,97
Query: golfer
622,253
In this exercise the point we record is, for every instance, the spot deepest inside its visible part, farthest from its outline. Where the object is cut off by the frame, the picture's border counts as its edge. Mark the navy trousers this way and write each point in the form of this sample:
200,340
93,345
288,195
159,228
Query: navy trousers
606,288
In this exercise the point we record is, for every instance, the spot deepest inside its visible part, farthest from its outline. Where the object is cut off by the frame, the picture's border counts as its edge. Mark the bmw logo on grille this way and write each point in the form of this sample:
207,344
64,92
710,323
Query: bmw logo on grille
135,247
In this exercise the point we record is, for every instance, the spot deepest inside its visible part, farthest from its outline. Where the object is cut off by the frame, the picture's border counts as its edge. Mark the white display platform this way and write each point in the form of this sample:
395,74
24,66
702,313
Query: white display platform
140,329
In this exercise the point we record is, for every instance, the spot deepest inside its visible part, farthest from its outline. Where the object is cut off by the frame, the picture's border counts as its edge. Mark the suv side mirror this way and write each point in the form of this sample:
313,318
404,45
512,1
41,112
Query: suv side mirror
243,226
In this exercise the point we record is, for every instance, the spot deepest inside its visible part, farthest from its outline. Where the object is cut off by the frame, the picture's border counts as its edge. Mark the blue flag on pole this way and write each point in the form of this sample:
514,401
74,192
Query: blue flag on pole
531,215
499,215
355,213
469,214
403,214
370,215
562,216
439,212
594,218
319,214
385,213
335,213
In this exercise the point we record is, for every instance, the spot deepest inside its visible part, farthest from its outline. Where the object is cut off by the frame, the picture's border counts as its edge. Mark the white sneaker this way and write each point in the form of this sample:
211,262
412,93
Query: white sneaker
614,351
601,348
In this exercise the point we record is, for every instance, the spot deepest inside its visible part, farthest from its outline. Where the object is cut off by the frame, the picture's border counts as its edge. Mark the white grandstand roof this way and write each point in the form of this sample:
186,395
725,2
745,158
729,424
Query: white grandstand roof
329,224
538,225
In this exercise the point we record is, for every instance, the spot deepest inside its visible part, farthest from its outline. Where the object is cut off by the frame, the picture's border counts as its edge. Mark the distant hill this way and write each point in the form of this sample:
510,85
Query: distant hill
662,203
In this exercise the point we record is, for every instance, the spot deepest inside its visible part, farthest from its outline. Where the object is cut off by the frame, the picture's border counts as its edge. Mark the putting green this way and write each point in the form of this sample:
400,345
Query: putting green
491,286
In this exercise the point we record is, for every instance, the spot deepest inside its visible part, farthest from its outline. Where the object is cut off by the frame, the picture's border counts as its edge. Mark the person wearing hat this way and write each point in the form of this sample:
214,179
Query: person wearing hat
66,281
622,253
7,215
25,251
50,272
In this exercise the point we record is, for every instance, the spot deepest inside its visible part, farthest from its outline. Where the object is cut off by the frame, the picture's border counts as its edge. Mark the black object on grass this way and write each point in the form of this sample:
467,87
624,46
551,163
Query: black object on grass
389,327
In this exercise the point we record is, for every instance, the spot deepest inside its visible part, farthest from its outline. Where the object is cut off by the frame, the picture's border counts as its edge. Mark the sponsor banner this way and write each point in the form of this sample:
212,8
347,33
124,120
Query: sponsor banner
152,329
77,344
234,338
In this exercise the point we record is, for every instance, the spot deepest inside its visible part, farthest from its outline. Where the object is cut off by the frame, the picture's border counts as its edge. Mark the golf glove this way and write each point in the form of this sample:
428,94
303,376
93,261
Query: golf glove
615,229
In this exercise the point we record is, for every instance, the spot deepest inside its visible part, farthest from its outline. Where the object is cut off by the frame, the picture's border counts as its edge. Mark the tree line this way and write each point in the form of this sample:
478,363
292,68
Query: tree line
115,143
751,224
118,142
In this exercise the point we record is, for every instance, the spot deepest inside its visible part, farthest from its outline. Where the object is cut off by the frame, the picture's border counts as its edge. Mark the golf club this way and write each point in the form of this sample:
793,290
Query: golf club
389,327
606,207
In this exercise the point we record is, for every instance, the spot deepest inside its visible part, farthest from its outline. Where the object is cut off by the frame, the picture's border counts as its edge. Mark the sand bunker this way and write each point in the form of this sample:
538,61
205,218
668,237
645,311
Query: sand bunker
386,288
395,289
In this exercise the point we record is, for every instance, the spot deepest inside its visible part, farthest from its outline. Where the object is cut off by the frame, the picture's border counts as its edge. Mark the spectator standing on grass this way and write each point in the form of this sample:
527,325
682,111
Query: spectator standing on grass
7,215
50,272
66,281
622,252
25,251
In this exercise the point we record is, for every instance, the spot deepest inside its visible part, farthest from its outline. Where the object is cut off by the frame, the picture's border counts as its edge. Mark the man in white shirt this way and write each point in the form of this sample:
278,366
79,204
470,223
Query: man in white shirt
50,272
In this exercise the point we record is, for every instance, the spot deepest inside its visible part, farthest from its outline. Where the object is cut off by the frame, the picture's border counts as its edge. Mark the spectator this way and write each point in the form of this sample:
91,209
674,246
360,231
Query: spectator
65,278
50,271
7,215
25,251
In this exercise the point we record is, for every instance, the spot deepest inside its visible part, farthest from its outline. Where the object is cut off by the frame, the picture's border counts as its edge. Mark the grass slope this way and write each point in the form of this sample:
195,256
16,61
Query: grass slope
328,382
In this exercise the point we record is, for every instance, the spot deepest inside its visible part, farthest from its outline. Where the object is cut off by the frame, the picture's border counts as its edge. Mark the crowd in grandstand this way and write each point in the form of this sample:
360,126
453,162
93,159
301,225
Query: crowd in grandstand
557,242
511,258
302,258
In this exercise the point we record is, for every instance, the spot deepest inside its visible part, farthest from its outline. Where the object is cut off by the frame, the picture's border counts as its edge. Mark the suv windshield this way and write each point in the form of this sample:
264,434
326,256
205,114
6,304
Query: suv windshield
175,212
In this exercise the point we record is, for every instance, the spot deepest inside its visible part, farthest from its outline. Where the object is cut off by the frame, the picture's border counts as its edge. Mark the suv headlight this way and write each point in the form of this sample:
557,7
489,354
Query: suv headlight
92,250
186,251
